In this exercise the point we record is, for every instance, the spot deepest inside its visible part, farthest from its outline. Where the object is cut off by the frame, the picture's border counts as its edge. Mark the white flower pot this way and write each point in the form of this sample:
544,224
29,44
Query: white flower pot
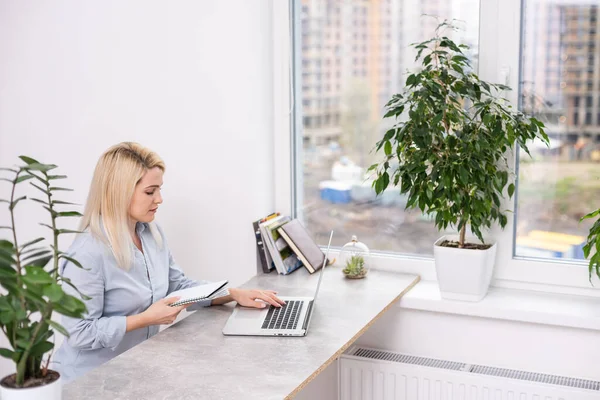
51,391
463,274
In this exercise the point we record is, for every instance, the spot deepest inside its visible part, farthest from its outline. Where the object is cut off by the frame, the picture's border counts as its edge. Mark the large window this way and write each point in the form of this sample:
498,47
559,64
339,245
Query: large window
560,84
353,55
350,56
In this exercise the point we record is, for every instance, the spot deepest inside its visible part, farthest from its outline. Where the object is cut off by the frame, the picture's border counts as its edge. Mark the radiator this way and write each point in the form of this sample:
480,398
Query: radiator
371,374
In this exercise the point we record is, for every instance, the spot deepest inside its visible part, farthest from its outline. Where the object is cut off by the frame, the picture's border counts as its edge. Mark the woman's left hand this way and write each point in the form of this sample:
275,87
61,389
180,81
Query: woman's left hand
248,297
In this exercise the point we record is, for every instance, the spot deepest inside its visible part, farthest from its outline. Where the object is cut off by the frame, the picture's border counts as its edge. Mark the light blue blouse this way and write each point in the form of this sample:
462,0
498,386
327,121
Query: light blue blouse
115,294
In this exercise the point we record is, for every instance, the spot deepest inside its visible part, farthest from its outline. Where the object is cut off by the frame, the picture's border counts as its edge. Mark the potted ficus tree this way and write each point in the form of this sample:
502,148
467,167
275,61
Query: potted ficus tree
592,245
447,151
33,289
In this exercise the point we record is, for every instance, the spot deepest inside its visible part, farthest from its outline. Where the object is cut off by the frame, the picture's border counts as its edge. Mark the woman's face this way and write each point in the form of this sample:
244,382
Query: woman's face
146,196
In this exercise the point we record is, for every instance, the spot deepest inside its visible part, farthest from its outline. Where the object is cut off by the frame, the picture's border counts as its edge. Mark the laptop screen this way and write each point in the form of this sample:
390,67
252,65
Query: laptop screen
323,267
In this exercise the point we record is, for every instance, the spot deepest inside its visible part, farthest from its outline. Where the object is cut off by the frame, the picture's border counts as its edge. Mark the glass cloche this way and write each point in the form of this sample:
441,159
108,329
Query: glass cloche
355,257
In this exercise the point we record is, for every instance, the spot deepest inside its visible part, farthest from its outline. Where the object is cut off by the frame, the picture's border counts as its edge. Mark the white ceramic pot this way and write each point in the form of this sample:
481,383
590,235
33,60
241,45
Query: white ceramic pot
51,391
463,274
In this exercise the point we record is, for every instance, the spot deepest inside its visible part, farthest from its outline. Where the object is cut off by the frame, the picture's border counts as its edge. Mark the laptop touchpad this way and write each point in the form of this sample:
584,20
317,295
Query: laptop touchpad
248,313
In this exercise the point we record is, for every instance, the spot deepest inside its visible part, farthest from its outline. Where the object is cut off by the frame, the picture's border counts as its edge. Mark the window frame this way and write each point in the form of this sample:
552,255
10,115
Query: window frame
499,61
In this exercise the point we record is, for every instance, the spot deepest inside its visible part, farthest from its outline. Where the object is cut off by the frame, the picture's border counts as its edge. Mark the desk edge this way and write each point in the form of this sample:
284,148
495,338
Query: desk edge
350,342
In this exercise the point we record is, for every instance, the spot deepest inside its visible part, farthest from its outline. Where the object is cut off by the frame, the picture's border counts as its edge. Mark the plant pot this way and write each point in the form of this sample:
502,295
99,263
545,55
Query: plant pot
49,391
463,274
357,276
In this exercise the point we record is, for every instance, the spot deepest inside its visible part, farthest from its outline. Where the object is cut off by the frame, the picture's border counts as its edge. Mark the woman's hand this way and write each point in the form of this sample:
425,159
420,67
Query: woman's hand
248,297
161,313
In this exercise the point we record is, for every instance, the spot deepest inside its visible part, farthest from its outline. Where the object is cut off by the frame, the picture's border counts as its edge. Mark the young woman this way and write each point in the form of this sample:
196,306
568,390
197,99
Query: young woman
129,271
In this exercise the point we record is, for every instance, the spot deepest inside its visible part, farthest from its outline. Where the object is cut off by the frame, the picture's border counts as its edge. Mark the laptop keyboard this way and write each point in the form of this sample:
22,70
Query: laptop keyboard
284,317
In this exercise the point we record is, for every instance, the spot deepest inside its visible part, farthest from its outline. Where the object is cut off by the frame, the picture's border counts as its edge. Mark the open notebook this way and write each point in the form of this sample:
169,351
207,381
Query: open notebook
201,292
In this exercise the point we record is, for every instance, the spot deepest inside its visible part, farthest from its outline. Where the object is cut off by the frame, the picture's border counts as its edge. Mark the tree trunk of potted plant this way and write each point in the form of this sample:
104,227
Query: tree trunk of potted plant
447,151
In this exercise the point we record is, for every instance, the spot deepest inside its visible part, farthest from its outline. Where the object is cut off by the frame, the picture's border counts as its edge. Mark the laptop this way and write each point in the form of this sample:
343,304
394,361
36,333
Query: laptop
292,319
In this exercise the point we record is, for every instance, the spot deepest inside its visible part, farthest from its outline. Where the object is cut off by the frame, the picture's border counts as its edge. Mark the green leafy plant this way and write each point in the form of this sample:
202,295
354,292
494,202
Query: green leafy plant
30,276
355,266
592,244
450,153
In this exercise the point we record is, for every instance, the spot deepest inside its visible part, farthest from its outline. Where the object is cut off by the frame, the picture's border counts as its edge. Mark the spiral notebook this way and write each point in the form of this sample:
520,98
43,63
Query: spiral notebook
201,292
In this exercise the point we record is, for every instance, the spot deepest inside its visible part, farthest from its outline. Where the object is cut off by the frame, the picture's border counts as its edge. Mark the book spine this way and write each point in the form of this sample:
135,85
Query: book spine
260,248
268,248
275,252
281,249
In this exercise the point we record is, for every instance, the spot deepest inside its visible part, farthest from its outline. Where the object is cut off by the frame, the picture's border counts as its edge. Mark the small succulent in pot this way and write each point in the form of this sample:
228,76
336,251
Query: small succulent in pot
355,267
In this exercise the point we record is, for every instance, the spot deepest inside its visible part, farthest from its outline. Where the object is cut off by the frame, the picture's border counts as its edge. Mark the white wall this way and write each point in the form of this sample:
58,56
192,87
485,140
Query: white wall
507,344
189,79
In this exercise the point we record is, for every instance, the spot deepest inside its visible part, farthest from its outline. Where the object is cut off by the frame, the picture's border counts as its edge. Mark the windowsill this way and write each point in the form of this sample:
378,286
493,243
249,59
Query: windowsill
511,304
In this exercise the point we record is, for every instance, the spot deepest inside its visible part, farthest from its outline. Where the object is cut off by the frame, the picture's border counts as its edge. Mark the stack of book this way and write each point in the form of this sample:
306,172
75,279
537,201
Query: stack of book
285,245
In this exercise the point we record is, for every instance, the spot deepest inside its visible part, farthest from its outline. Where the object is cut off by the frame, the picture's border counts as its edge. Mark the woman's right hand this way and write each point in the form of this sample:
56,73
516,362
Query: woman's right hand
161,313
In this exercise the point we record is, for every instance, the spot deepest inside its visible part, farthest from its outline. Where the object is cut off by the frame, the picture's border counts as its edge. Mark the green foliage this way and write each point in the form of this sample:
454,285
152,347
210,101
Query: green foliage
449,154
592,244
355,266
32,282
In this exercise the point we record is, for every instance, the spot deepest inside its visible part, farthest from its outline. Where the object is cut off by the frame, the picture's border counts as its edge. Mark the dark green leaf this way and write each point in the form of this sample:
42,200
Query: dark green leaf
54,188
39,201
496,199
386,180
32,242
591,215
28,160
6,317
47,226
36,275
7,272
387,148
511,190
14,202
39,262
40,167
68,282
390,113
4,304
41,348
5,244
35,298
38,188
69,214
74,261
503,220
70,306
6,353
63,202
389,134
464,177
52,177
53,292
23,178
37,254
61,231
58,327
372,167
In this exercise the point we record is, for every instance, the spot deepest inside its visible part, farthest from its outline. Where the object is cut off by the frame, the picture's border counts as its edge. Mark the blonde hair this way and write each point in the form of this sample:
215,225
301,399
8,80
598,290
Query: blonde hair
106,212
